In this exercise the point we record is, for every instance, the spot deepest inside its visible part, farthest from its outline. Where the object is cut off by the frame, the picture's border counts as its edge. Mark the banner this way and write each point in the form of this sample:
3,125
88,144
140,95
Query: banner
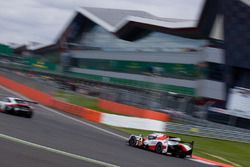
238,103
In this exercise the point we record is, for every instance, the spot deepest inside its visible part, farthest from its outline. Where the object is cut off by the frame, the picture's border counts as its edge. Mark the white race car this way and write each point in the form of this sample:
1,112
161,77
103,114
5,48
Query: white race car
16,106
162,144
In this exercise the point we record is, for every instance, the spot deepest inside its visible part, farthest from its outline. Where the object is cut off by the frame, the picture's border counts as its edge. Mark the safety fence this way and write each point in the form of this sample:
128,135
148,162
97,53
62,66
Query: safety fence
83,112
89,114
141,98
186,119
211,131
216,133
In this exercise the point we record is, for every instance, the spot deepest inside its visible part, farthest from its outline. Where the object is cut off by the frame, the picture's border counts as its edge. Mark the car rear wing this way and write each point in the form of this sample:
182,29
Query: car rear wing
191,144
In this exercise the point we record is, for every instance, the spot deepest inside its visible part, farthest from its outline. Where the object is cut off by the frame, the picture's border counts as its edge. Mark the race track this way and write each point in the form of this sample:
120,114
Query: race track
53,139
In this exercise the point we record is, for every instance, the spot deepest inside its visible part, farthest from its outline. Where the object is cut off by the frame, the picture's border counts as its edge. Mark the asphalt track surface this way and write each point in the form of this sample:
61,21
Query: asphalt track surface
49,130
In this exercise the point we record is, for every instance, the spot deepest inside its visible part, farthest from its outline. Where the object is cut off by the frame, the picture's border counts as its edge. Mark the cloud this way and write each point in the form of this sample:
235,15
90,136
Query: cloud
43,20
31,21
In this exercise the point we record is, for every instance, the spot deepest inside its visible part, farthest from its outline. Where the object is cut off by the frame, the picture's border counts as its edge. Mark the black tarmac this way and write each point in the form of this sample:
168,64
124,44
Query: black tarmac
55,131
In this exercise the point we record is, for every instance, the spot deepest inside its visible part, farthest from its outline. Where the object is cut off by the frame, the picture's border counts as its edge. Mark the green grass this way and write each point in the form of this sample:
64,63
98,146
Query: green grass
236,152
80,100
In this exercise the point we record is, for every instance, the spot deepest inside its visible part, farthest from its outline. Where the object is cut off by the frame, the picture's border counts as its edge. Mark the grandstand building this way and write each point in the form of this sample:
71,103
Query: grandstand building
5,51
137,49
204,58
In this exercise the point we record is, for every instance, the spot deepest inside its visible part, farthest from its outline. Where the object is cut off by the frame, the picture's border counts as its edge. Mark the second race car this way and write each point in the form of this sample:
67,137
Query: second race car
16,106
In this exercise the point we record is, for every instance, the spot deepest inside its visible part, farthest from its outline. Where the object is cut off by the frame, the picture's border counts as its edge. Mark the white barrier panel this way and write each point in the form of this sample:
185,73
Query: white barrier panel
132,122
239,102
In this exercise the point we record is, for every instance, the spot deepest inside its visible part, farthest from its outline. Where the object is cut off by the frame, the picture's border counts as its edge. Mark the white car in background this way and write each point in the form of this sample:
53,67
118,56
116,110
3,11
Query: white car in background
16,106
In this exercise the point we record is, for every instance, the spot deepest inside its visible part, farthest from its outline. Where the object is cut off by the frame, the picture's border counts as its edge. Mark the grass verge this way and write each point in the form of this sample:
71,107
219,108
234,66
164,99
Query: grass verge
235,152
80,100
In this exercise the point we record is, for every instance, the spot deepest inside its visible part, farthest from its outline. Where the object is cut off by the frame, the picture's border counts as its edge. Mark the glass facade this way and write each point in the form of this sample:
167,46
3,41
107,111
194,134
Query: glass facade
215,72
5,50
101,39
237,33
182,71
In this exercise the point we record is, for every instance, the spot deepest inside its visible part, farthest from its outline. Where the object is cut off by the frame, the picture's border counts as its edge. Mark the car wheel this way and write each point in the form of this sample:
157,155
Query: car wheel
158,148
4,110
179,154
132,141
7,109
29,115
182,155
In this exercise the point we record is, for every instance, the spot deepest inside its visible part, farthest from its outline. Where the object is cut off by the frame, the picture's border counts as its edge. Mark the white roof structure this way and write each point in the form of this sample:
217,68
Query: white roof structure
131,25
114,19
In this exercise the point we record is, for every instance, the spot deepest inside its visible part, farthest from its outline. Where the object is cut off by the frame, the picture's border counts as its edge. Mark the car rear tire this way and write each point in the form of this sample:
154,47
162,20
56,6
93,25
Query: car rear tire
179,154
29,115
182,155
7,109
132,141
158,148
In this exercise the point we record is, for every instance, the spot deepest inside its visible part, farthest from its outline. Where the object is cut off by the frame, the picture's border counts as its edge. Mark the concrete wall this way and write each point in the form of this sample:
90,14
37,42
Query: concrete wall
211,89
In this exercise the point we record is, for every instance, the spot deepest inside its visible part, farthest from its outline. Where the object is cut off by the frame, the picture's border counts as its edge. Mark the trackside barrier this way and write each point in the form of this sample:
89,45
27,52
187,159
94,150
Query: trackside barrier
95,116
83,112
132,122
48,100
92,115
132,111
202,131
67,107
31,93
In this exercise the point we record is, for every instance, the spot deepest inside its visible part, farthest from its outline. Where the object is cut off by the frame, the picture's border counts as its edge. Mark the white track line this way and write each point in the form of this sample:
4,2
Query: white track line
85,123
78,157
67,116
201,161
82,122
223,159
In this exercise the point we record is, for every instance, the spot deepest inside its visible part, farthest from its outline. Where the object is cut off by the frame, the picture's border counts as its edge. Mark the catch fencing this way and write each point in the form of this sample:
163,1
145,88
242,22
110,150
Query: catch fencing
190,126
216,133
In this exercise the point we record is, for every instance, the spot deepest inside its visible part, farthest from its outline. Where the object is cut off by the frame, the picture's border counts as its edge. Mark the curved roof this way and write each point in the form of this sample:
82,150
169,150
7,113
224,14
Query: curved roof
127,23
114,19
133,24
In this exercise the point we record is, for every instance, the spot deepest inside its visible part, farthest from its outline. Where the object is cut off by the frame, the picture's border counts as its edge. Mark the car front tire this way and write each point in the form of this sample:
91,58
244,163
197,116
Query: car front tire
132,141
158,148
29,115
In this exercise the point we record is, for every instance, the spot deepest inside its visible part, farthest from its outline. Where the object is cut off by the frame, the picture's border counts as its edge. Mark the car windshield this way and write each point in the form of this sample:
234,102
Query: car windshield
151,137
19,101
5,99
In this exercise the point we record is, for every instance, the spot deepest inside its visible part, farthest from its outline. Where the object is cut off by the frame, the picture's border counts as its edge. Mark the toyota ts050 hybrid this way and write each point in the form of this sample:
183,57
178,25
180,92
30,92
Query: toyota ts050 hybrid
16,106
162,144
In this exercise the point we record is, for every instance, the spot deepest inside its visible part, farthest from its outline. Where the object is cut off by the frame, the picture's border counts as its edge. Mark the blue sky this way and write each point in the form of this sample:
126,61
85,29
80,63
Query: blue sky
26,21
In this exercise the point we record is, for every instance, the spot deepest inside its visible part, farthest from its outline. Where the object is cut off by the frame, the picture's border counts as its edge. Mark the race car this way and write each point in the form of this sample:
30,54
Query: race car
162,144
16,106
